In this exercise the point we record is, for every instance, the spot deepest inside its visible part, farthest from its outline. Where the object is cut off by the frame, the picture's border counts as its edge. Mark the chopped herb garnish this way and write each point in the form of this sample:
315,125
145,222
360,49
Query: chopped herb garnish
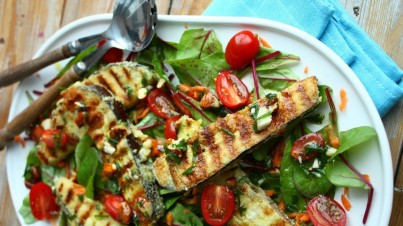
129,90
181,146
271,96
189,170
113,141
228,132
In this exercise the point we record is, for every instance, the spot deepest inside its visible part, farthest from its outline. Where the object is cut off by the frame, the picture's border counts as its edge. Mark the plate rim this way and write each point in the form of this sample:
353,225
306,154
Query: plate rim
350,75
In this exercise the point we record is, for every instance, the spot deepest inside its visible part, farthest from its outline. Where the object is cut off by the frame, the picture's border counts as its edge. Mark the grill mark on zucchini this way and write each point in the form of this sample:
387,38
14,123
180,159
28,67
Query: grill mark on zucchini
86,214
69,196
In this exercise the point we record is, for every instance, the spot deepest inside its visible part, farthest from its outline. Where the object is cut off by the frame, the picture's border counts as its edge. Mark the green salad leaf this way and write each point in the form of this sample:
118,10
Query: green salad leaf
354,137
342,176
293,200
184,216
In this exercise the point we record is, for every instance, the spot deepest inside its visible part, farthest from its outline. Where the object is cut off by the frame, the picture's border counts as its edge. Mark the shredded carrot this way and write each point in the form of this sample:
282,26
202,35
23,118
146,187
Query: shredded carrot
141,113
306,69
278,154
299,217
19,140
170,218
190,201
270,193
109,169
343,100
333,138
74,176
61,164
154,148
345,190
193,91
366,177
281,205
78,189
264,42
68,171
144,113
346,203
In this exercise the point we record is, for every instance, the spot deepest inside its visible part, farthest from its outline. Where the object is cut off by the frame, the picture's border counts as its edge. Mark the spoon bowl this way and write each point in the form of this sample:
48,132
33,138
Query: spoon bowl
132,28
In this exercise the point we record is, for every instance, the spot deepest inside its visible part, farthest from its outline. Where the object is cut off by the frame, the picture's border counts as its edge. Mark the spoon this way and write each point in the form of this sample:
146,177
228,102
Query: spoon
139,20
128,28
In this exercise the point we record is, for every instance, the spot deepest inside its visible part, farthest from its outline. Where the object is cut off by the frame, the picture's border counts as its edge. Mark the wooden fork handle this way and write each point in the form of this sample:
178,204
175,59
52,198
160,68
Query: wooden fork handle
21,71
28,116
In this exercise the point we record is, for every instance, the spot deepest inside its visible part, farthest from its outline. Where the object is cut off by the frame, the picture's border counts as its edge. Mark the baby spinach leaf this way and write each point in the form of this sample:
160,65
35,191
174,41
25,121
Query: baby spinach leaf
310,184
82,147
88,167
25,211
353,137
340,175
170,200
184,216
89,189
198,43
292,198
48,173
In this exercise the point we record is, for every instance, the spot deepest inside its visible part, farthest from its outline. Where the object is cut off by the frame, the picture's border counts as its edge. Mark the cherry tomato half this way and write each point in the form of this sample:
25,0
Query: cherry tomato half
54,138
118,208
217,204
112,55
42,202
241,49
170,131
298,148
325,211
36,133
161,104
231,91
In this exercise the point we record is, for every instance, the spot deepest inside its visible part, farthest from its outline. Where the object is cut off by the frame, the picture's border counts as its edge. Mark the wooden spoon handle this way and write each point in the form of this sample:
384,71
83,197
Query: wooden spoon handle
21,71
24,119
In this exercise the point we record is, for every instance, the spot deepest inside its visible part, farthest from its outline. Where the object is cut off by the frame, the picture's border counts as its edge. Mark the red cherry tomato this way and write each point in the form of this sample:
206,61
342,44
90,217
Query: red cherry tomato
217,204
170,131
231,91
42,202
298,148
181,106
241,49
118,208
161,104
325,211
54,138
36,133
112,55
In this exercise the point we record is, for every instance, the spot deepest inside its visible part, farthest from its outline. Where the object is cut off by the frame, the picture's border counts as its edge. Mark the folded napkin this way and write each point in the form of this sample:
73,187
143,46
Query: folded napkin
328,21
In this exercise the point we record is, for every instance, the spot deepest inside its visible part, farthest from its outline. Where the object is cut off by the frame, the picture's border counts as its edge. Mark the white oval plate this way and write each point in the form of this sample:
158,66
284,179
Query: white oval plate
373,158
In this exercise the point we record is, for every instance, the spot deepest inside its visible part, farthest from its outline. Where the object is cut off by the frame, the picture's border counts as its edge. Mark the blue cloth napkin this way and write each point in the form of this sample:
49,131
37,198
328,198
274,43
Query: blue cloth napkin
328,21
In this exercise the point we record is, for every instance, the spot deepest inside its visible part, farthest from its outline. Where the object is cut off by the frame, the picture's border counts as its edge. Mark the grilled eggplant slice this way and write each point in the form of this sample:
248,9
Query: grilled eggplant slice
226,139
81,210
123,80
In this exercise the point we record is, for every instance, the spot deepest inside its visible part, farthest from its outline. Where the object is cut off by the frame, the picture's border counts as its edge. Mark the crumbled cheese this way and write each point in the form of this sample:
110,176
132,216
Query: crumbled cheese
47,124
79,104
108,148
147,144
160,83
264,122
142,93
315,164
144,153
330,151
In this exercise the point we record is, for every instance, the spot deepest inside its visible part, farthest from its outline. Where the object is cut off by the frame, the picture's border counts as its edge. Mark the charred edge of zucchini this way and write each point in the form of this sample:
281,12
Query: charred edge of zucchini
146,171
